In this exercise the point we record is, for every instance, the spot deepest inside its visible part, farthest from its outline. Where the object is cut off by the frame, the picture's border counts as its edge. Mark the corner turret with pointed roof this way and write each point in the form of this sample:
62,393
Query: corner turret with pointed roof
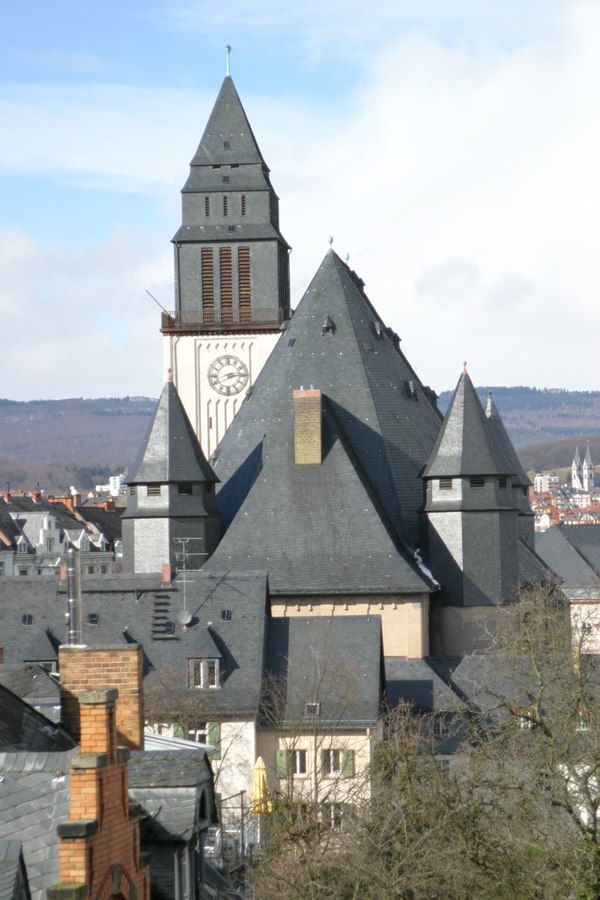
232,280
520,481
171,510
472,519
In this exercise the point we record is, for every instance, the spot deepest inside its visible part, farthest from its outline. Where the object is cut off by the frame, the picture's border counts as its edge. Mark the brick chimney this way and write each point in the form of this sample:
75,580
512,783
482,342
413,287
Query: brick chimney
307,427
110,667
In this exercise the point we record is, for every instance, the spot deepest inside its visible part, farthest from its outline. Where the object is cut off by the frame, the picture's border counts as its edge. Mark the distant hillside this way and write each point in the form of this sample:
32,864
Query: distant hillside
63,442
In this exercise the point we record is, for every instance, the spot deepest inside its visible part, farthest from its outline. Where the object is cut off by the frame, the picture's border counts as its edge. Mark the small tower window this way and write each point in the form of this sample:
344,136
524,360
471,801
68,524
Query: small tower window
243,204
445,484
184,487
226,145
225,206
132,490
207,206
225,179
477,481
153,490
502,481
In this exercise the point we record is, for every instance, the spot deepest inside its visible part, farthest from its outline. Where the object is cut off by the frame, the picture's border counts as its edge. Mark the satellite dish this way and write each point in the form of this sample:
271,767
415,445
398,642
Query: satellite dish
184,617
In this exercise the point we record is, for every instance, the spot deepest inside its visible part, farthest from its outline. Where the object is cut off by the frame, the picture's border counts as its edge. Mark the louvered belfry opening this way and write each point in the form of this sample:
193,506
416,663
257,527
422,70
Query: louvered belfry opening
208,284
244,287
226,278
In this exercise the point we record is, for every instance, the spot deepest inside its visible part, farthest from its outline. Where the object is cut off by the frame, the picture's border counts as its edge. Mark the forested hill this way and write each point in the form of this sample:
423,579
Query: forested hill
79,442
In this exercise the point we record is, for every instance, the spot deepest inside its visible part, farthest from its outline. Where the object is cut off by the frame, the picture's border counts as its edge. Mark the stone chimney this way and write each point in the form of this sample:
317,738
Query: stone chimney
308,448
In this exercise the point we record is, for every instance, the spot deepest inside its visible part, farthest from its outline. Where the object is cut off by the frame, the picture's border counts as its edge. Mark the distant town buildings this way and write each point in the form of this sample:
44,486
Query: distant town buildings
574,504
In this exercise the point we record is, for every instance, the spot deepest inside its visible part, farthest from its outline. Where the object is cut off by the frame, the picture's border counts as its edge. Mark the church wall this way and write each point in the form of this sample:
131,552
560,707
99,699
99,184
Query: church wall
404,618
457,630
150,544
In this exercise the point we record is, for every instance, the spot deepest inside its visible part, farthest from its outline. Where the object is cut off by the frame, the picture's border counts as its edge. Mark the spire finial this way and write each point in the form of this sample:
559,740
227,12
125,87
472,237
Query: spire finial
169,375
330,240
465,367
347,257
228,61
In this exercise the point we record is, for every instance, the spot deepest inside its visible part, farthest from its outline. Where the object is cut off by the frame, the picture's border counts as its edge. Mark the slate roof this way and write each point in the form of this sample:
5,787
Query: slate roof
23,728
505,444
108,522
170,451
467,444
534,568
586,540
381,427
138,608
34,797
168,785
13,875
335,662
579,581
416,683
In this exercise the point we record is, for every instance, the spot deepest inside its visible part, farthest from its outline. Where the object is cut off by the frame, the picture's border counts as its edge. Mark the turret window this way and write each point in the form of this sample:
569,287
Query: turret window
184,487
477,481
502,481
153,490
243,204
207,206
225,179
445,484
226,145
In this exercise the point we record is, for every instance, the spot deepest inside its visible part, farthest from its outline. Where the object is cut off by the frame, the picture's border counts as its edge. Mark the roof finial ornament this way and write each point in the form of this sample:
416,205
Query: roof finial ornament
169,375
347,257
330,240
228,61
465,367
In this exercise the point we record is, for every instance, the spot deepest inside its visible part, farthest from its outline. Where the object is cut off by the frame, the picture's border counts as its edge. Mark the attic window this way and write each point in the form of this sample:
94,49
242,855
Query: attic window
312,709
226,615
231,228
153,490
93,618
204,673
27,619
184,487
328,326
477,481
169,627
445,484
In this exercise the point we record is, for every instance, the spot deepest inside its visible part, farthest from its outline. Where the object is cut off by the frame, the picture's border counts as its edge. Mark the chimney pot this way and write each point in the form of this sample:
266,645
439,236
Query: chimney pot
308,440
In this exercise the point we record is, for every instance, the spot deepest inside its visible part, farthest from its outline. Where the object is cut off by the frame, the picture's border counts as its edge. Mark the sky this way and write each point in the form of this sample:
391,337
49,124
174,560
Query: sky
449,147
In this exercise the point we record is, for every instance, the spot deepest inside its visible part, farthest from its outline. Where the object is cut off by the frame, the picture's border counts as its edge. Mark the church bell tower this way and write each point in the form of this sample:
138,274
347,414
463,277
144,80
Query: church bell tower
232,289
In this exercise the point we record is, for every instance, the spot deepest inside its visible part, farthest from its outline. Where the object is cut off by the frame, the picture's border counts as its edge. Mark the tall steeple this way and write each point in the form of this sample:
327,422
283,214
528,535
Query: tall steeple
232,290
171,515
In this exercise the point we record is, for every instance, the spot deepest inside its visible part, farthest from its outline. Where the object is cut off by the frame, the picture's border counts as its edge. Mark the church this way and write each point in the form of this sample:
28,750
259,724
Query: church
307,540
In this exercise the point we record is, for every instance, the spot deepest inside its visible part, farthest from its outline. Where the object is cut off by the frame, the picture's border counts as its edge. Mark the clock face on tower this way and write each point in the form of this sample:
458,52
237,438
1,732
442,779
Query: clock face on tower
228,375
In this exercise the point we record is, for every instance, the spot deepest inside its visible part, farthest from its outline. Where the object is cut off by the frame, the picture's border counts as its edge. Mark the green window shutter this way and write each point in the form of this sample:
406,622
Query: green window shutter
284,763
218,804
348,764
178,730
214,738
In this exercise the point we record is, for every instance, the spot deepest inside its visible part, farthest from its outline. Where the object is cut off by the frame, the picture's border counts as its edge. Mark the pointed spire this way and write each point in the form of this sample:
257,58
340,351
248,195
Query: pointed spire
504,442
170,451
466,444
228,136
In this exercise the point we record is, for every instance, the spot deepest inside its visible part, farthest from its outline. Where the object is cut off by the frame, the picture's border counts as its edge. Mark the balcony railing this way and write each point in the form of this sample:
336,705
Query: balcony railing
197,320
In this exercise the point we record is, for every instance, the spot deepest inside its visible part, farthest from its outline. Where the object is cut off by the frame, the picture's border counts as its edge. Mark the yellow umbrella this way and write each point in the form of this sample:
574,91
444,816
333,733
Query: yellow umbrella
260,791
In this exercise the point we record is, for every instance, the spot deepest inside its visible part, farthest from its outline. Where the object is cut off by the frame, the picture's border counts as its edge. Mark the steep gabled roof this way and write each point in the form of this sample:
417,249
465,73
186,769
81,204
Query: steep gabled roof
170,452
466,445
227,122
342,674
386,416
578,579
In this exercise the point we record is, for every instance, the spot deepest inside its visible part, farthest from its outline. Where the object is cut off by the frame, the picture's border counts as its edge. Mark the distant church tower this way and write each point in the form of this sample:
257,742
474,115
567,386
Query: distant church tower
582,473
232,288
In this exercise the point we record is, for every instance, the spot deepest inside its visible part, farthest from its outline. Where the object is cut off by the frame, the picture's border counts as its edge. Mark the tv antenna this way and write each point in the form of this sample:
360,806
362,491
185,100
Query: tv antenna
158,303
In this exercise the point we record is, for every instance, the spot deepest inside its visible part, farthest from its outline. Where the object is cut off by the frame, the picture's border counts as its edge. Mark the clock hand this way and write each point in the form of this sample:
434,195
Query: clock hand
228,375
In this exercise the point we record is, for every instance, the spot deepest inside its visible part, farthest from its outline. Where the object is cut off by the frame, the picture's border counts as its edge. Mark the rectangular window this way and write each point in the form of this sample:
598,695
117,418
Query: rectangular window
132,490
226,145
204,673
23,572
90,570
225,271
225,179
441,727
199,733
208,284
153,490
312,709
207,207
445,484
502,481
331,762
184,487
477,481
332,815
225,206
299,762
244,285
244,204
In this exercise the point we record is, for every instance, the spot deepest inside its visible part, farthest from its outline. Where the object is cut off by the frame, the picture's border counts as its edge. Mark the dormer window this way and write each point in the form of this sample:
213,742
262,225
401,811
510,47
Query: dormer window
204,673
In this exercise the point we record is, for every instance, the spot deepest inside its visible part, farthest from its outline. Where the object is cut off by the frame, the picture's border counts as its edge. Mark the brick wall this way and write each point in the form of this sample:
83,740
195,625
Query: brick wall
307,427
